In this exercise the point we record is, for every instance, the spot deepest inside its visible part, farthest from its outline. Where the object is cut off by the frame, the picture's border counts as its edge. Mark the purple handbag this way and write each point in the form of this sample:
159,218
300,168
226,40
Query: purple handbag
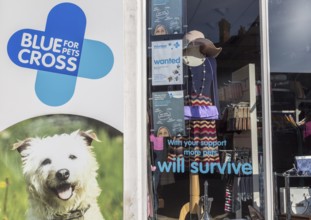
202,112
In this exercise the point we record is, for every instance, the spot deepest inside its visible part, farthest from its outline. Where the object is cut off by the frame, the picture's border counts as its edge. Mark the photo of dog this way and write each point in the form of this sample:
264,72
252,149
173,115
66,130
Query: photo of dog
60,173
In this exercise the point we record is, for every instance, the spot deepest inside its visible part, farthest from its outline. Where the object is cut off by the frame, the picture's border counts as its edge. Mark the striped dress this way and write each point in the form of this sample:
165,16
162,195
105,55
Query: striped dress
203,84
203,131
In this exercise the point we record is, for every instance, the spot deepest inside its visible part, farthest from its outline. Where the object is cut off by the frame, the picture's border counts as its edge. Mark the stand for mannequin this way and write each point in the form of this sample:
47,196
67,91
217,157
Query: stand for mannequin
192,207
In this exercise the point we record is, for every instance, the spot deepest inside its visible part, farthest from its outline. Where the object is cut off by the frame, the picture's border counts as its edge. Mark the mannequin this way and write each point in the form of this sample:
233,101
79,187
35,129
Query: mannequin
201,92
199,55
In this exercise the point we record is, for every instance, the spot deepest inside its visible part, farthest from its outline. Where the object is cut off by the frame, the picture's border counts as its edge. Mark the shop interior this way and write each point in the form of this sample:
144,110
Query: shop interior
232,31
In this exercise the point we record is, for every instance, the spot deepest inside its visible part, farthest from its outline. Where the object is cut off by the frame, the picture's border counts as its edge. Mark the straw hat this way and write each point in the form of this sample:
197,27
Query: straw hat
197,47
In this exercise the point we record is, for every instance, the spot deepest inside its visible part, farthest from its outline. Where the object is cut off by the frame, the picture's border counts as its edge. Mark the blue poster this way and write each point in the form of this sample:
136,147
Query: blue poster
168,112
166,17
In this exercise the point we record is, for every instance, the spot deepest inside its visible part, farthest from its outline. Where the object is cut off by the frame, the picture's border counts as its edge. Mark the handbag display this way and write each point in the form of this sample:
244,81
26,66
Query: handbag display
238,117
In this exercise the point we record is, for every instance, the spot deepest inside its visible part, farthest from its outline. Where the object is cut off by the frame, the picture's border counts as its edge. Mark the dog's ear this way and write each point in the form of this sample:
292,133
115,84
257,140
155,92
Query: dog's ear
20,146
89,136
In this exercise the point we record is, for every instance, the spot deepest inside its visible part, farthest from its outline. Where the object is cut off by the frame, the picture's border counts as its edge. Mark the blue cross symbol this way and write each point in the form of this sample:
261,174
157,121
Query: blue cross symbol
60,54
176,44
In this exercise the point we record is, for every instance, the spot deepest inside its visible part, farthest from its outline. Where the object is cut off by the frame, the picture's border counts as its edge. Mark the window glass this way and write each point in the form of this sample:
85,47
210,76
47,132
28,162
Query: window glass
290,37
290,40
204,109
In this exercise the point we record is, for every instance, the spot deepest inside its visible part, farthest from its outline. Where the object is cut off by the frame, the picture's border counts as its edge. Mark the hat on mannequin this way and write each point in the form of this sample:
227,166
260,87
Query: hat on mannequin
197,47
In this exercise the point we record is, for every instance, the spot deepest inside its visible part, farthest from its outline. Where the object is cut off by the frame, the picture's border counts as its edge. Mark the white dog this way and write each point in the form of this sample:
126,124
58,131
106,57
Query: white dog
60,172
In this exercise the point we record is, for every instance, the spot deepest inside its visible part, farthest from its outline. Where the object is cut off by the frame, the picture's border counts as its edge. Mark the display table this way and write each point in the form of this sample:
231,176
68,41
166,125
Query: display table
294,217
287,215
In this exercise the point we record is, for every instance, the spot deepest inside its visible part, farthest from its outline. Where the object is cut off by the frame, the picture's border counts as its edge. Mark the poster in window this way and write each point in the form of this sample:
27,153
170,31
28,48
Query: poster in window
166,17
167,68
168,112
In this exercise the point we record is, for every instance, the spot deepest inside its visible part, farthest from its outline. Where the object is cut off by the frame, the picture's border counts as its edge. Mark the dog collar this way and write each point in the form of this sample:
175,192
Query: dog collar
77,214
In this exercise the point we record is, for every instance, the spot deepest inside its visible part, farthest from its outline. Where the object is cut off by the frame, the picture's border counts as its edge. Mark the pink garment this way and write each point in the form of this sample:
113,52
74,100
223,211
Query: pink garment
153,168
157,142
307,129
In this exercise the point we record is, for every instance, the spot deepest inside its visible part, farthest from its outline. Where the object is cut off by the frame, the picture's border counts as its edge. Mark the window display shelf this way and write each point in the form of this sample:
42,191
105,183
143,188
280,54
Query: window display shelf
288,202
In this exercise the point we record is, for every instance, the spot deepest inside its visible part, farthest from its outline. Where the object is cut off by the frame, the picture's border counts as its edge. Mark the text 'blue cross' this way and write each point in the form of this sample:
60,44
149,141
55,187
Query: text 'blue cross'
60,54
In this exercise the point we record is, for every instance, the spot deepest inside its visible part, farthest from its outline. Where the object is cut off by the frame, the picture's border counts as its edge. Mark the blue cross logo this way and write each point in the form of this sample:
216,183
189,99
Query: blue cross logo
60,54
176,44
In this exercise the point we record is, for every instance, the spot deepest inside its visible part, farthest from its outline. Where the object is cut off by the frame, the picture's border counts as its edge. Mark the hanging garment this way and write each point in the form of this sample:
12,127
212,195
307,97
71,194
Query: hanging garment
157,142
307,129
201,112
238,117
228,196
203,131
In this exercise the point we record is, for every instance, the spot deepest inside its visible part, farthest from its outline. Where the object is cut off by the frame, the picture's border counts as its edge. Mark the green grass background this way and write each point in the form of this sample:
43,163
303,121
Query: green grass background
109,154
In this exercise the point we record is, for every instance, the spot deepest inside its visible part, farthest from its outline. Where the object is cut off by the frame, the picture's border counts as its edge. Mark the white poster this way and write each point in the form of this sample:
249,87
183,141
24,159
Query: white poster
61,57
167,68
61,112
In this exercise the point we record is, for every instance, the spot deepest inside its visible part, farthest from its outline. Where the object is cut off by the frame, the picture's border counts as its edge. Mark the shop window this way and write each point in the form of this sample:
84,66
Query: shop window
204,110
290,41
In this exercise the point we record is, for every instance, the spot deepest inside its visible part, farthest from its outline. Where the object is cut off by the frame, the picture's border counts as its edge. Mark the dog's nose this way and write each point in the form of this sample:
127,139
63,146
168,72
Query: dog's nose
63,174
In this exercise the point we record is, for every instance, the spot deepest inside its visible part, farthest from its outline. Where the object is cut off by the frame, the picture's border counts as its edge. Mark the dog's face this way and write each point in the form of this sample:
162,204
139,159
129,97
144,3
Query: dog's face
59,168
